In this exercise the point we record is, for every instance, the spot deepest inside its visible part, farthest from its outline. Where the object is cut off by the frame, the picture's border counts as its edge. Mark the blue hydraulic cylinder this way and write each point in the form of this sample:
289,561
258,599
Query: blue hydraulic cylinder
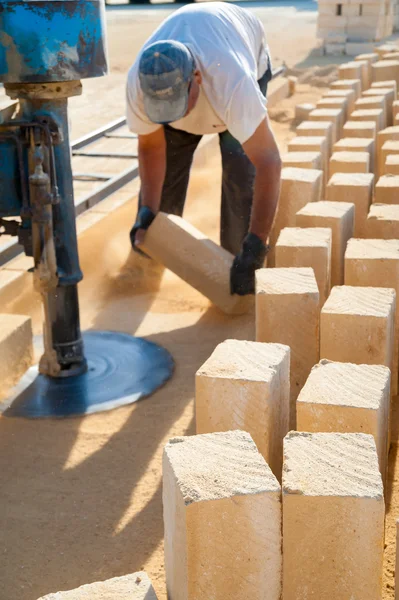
52,40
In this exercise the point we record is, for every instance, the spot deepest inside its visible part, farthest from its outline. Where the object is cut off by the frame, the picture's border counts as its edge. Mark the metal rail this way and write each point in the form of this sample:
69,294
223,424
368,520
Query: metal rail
111,183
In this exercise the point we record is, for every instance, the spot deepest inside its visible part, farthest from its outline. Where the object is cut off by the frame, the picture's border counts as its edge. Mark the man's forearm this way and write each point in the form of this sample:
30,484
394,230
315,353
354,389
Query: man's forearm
266,194
152,169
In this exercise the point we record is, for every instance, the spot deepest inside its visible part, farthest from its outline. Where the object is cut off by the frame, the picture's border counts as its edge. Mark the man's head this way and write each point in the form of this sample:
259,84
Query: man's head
169,81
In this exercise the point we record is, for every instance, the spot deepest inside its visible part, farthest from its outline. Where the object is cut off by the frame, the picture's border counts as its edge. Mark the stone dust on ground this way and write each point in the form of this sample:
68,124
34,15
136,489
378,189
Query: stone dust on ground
81,498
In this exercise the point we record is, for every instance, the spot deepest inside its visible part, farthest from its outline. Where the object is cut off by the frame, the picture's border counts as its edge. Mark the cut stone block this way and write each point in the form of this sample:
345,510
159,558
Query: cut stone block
391,83
333,528
309,247
384,70
195,258
302,111
357,145
395,108
389,148
356,188
287,312
292,82
357,325
246,385
316,128
360,129
331,115
310,144
373,102
16,347
302,160
347,398
217,487
350,96
369,57
298,187
376,115
349,162
130,587
352,70
388,134
392,164
387,190
339,217
384,49
389,95
351,84
376,263
339,102
383,221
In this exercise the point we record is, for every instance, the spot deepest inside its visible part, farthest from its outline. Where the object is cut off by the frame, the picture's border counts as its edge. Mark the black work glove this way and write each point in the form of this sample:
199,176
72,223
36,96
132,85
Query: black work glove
251,258
145,217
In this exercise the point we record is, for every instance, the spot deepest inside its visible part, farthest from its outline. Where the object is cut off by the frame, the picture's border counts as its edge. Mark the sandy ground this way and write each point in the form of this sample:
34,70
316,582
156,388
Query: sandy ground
80,499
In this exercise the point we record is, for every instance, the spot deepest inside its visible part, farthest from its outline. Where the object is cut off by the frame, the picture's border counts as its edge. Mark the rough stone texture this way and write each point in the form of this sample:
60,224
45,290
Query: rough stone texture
360,129
333,508
388,134
16,348
376,263
331,115
302,160
392,164
338,102
311,144
337,216
387,190
357,325
246,385
309,247
376,115
347,398
195,258
288,312
222,517
356,188
389,148
317,128
373,102
389,95
349,94
130,587
384,70
351,70
357,145
383,221
348,84
298,187
349,162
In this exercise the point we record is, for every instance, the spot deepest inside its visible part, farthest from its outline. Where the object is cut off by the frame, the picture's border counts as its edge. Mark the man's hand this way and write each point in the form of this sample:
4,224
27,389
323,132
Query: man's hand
251,258
145,217
152,168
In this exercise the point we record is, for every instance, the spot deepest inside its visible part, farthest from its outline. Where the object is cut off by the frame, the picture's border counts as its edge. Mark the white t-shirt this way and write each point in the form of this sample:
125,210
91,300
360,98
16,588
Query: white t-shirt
229,47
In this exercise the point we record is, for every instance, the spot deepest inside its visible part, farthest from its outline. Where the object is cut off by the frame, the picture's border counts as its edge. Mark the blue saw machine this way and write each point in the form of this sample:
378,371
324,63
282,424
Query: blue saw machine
46,48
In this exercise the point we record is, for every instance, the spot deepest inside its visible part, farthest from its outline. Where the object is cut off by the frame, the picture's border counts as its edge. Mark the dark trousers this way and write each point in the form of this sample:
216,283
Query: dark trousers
237,179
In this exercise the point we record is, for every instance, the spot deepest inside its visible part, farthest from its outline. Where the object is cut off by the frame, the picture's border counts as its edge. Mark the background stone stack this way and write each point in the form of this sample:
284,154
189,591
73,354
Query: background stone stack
351,28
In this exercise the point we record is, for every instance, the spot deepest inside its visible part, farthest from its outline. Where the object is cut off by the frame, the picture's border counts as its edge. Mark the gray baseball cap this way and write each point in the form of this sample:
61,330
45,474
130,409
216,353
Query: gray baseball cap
166,70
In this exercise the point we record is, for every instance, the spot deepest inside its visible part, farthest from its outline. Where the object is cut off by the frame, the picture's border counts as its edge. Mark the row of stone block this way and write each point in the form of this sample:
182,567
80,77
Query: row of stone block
230,533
